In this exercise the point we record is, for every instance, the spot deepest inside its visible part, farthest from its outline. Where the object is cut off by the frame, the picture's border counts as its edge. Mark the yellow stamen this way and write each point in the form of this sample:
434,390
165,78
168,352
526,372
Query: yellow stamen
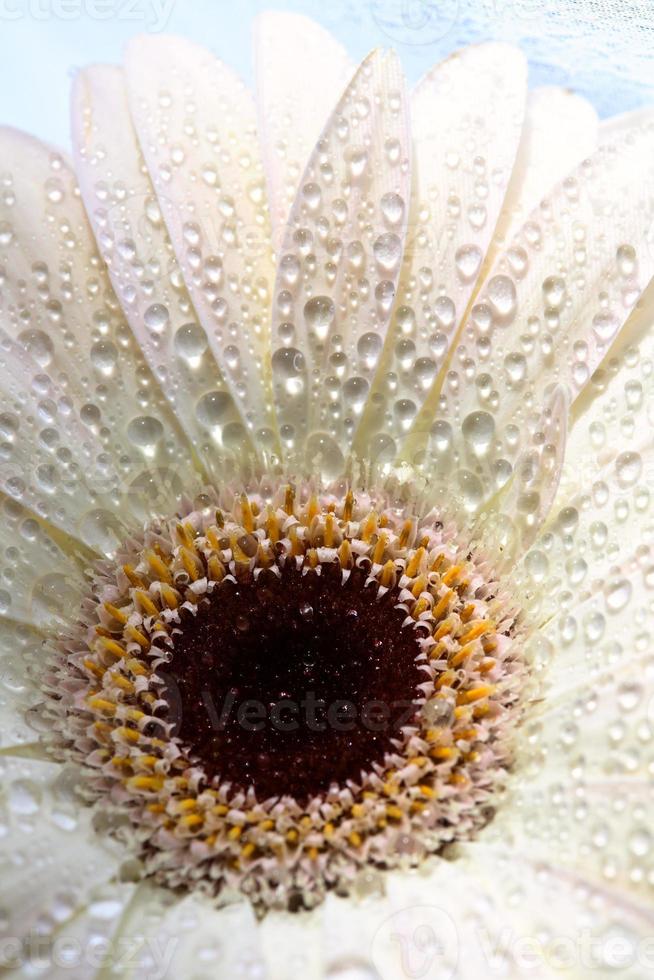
475,694
145,602
289,500
101,704
151,783
159,568
116,612
247,517
379,549
415,562
140,638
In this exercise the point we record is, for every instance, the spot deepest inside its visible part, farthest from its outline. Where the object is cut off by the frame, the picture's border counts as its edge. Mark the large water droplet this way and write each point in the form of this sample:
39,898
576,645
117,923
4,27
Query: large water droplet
478,431
213,408
190,343
156,318
289,368
319,313
323,454
502,296
392,207
468,260
145,432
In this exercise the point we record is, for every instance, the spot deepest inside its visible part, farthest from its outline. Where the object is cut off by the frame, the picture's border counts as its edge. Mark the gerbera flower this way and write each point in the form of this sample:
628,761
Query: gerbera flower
326,522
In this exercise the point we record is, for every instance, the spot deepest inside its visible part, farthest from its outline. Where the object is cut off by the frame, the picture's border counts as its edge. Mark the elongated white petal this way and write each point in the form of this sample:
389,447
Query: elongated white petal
466,121
605,504
588,740
88,941
67,862
522,506
301,72
84,421
494,909
196,124
21,652
340,264
177,932
552,304
561,130
144,271
42,570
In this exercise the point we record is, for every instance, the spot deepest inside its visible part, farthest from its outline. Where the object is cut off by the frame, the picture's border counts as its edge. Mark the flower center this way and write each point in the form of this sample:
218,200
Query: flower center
294,681
284,690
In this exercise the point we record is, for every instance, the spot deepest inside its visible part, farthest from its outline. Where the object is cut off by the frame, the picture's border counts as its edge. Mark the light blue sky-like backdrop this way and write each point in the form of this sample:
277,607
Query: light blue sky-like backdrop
599,47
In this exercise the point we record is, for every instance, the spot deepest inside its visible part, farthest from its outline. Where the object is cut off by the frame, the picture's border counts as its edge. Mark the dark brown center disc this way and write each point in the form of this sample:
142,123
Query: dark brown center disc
291,683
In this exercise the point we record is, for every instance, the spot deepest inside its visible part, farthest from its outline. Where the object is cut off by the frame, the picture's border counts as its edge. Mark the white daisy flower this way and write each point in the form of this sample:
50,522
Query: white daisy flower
327,523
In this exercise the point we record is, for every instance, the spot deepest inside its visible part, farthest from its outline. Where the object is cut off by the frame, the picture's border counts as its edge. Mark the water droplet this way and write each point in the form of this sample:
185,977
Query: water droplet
369,348
392,208
605,325
617,593
24,797
156,318
628,468
554,292
104,357
322,451
626,260
468,260
319,313
355,392
387,250
502,296
38,345
101,530
212,409
52,599
479,431
190,343
289,368
144,432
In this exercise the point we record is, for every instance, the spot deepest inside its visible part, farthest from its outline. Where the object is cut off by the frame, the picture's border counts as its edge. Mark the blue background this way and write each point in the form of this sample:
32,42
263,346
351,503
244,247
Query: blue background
598,47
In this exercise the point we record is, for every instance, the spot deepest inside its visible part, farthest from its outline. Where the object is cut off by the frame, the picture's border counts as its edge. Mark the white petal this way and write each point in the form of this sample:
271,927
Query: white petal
132,239
296,941
301,72
561,130
521,507
42,569
182,936
21,652
554,300
605,505
83,420
340,263
86,942
466,121
583,767
51,860
196,124
492,910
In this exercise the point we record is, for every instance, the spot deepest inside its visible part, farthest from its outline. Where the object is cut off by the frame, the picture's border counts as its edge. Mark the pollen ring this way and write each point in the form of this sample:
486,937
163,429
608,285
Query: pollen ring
261,811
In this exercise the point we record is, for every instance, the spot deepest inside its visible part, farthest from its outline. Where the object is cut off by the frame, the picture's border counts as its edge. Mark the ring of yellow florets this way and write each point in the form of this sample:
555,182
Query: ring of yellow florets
435,786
